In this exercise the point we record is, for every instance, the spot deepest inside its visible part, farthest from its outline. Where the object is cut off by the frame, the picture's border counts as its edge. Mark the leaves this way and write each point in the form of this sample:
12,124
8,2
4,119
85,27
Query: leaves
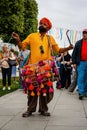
19,16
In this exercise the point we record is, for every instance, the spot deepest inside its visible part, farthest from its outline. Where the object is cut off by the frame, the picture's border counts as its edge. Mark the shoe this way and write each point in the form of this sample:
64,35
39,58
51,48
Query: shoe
81,96
9,88
70,91
45,113
4,88
26,114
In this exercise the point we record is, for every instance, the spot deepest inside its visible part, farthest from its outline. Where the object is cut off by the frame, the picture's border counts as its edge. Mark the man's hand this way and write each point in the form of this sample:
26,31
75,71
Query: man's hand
16,37
71,47
74,66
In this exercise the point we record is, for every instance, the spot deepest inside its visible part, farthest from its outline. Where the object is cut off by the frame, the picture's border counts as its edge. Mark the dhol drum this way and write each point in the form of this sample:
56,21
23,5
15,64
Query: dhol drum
39,74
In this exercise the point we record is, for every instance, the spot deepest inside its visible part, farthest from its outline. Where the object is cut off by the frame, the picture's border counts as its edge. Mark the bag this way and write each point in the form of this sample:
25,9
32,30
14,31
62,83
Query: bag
39,74
55,77
67,67
12,62
41,71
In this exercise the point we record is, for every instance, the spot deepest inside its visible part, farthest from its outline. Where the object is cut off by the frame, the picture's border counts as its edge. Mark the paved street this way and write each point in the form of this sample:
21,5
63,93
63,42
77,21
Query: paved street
67,113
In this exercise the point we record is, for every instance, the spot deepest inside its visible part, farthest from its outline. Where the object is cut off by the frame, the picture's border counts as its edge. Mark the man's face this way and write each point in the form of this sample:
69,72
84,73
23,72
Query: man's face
43,27
85,35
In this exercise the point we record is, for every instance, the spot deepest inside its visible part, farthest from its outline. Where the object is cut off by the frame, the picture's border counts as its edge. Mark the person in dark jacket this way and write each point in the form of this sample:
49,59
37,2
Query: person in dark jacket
79,60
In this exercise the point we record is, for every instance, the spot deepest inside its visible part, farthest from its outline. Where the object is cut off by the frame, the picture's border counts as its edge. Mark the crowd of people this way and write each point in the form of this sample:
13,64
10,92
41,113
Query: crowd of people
8,70
40,50
76,68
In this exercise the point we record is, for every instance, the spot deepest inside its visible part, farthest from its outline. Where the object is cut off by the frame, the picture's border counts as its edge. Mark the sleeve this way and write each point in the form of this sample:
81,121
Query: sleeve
55,46
74,54
1,56
26,42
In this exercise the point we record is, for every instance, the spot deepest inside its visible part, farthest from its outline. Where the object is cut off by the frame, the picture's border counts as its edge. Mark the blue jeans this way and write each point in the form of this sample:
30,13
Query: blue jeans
82,77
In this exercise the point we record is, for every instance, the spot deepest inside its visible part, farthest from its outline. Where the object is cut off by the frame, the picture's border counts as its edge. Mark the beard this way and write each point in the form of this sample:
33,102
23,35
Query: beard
42,29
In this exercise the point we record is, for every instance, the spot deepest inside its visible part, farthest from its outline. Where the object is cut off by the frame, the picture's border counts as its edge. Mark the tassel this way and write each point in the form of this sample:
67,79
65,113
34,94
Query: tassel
39,78
51,90
27,72
31,69
47,67
42,85
38,89
44,94
41,63
26,66
44,91
31,87
28,80
49,83
23,72
48,74
32,93
38,93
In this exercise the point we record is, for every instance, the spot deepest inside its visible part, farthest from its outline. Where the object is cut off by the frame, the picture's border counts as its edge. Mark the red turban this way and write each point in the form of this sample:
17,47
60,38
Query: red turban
47,21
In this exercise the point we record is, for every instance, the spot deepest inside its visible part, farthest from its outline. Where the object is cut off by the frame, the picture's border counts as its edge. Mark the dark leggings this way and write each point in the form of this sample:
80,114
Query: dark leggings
6,72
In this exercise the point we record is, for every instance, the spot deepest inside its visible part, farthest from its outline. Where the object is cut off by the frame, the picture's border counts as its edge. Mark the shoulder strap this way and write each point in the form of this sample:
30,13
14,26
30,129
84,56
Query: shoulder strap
50,44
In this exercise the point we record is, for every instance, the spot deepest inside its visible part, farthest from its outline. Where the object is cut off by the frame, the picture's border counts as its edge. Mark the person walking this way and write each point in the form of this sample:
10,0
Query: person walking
40,50
79,61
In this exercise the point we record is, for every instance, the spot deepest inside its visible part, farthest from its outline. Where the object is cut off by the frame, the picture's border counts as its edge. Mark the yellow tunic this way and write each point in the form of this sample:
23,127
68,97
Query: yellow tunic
34,41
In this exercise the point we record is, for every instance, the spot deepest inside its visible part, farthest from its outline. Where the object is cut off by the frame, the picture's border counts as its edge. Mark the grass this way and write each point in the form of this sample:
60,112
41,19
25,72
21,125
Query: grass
14,87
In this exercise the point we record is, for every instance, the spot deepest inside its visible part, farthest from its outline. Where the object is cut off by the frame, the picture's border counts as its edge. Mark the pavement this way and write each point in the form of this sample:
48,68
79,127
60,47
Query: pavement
67,112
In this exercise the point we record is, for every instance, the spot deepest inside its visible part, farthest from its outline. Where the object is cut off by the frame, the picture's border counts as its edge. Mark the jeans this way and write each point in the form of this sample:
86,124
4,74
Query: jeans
82,77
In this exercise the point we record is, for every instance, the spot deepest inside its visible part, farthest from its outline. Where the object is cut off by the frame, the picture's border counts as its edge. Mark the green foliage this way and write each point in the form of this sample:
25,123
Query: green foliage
19,16
11,17
30,17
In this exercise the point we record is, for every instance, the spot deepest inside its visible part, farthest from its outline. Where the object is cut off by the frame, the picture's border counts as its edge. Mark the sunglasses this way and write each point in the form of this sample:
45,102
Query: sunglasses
41,50
84,32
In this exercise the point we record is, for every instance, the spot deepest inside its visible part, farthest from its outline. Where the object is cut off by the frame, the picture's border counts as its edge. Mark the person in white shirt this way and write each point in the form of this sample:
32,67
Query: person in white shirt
5,67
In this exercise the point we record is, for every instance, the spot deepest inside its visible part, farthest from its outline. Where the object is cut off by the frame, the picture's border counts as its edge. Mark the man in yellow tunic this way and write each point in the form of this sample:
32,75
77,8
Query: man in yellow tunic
40,50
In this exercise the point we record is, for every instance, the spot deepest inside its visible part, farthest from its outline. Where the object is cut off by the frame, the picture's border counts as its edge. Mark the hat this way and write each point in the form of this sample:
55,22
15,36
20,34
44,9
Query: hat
85,30
47,21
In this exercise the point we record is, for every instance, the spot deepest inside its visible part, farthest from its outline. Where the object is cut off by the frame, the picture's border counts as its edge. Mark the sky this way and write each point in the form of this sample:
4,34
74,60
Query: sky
70,14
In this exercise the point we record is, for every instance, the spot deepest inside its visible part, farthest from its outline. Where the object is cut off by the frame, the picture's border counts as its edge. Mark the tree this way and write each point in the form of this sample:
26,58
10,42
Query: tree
19,16
11,17
30,17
